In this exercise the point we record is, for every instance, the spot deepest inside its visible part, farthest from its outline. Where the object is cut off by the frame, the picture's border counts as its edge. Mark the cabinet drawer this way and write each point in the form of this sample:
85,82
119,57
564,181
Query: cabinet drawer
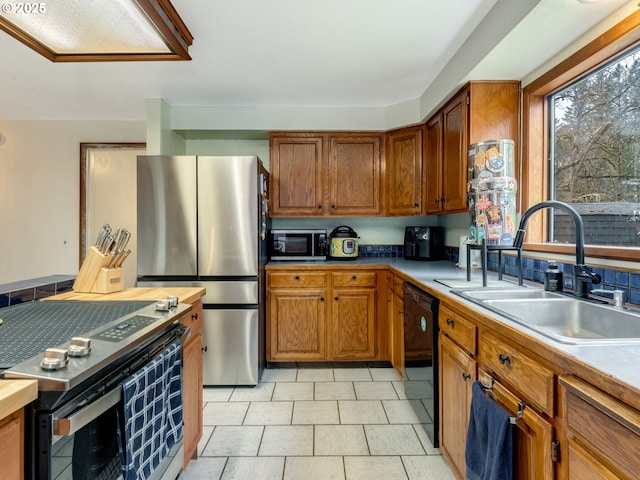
356,279
296,279
607,429
520,370
459,329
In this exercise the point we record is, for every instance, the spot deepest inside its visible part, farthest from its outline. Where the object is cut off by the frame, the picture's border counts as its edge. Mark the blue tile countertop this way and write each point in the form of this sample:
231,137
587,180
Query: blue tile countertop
612,368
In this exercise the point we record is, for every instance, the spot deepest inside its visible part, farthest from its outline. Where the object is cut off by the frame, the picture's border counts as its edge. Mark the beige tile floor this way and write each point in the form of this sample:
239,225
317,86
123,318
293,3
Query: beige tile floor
315,424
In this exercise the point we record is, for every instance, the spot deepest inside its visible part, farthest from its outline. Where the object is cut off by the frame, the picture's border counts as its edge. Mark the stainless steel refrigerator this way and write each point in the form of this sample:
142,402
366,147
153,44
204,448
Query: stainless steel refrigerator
202,221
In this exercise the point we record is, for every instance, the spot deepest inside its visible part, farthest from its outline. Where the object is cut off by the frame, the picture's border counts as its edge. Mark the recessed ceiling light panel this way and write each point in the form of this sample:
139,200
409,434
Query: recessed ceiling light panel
80,30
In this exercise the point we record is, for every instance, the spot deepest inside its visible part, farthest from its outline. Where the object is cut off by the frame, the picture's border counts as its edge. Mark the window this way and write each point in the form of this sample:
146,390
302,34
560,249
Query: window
581,145
594,128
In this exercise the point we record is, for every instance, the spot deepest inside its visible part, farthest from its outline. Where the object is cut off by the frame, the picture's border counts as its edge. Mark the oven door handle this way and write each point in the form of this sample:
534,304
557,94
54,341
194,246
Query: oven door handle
71,424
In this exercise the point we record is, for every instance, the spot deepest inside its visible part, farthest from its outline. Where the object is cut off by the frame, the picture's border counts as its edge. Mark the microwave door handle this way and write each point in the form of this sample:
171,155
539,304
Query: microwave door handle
71,424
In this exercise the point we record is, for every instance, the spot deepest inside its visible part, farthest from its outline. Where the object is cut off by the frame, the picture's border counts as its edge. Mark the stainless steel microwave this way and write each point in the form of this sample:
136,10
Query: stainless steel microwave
298,244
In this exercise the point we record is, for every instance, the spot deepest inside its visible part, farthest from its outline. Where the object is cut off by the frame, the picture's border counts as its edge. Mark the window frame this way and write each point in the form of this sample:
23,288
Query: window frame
620,38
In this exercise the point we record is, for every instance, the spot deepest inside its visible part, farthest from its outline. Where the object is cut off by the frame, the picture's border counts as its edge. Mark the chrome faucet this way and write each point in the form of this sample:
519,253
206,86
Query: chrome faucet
582,275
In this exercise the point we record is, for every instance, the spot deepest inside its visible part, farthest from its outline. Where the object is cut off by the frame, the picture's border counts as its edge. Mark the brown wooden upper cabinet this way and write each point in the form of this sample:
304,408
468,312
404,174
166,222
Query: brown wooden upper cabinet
480,111
298,173
404,172
326,174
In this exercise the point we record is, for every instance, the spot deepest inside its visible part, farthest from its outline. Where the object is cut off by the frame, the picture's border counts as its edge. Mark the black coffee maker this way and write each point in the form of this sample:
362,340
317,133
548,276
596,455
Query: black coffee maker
423,243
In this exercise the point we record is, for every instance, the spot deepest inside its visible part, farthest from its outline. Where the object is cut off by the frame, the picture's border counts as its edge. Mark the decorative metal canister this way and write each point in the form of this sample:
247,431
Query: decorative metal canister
492,190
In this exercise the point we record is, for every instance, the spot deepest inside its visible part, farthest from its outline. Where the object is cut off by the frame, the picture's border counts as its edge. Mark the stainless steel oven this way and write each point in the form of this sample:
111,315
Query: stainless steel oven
77,428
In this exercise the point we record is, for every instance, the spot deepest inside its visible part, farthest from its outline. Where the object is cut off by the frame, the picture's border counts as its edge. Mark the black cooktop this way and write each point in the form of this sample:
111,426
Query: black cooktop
29,328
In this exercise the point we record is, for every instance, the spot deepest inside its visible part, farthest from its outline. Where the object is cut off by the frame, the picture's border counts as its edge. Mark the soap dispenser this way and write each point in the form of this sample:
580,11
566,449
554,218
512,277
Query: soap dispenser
553,278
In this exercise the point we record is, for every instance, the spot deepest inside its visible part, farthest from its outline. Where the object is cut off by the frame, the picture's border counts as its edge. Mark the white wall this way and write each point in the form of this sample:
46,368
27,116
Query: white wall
40,193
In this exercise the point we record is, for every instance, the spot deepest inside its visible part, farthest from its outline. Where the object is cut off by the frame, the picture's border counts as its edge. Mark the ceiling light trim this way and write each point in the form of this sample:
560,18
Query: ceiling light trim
162,16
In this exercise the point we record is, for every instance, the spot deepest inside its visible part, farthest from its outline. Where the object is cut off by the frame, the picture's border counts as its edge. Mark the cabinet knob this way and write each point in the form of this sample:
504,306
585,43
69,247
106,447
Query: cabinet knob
504,359
336,298
333,206
205,348
353,277
416,204
449,322
297,277
194,316
466,376
320,206
322,299
443,199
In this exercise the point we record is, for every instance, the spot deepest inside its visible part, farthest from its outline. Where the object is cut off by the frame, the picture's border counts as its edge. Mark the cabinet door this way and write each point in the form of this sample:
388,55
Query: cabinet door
352,331
354,175
454,154
192,397
403,170
457,374
533,438
433,165
297,176
12,441
296,325
192,383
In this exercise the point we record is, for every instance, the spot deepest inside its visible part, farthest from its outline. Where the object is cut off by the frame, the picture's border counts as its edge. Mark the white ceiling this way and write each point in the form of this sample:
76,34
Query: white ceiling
292,53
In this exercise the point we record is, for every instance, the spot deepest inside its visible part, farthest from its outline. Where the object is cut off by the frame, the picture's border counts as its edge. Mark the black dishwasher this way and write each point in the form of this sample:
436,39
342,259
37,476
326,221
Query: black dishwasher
421,357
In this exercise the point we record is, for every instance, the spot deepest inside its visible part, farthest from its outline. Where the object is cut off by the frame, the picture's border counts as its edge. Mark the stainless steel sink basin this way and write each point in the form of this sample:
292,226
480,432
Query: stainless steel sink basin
506,294
561,318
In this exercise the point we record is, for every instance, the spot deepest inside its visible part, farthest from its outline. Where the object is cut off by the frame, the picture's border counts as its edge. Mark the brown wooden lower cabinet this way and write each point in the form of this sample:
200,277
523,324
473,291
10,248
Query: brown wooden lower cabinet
498,364
296,325
322,315
457,374
352,330
12,441
603,433
534,434
192,384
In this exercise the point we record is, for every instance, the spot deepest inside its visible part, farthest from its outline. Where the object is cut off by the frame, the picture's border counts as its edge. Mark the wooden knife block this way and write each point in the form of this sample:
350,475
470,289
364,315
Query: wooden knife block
95,277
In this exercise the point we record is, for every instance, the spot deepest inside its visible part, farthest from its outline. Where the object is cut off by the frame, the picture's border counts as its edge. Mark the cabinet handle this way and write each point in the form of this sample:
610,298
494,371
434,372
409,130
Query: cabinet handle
205,348
443,199
466,376
194,316
450,322
504,359
297,277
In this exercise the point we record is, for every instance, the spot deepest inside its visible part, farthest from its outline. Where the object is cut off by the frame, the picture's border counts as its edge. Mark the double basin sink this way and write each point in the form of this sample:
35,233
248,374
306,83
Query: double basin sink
562,318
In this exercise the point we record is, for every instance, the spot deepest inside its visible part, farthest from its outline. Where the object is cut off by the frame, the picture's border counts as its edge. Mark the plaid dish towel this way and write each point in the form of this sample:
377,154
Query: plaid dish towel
150,417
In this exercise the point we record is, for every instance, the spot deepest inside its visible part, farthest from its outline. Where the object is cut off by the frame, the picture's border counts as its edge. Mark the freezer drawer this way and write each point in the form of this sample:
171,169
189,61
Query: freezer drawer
231,341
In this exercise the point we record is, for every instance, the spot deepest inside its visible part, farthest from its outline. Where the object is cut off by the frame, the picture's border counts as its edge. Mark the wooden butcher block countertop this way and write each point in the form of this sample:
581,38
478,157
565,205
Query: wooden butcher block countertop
15,394
185,294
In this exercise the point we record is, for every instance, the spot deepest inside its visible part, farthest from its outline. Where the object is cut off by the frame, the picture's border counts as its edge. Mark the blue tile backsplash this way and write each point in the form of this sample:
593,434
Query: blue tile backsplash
34,289
533,269
391,251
